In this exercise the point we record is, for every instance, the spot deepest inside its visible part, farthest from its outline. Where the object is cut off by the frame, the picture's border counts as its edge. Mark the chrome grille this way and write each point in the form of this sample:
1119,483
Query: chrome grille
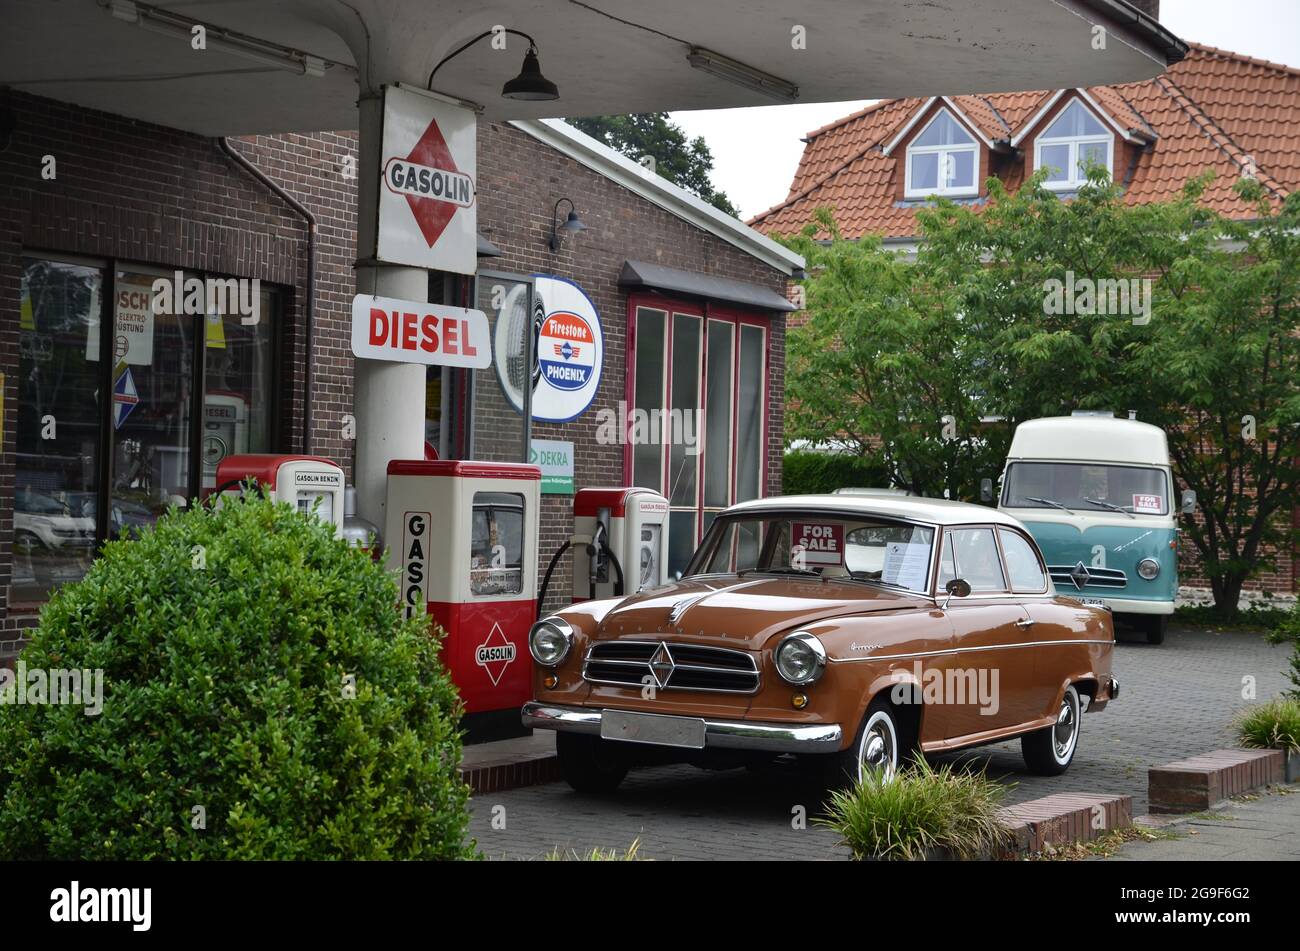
671,666
1063,576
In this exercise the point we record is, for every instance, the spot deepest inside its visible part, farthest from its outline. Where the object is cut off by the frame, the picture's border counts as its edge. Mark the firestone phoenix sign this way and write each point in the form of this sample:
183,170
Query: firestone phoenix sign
427,216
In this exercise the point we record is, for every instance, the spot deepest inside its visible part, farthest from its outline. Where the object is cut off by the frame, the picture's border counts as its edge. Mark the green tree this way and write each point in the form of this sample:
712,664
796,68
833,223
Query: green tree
683,161
883,367
972,330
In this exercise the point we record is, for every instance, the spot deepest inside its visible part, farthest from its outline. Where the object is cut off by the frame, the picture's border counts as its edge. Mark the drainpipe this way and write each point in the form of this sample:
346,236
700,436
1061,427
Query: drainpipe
310,304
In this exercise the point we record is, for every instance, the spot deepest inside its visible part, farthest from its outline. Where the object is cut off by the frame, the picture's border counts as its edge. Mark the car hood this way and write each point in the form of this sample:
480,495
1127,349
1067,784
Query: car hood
743,612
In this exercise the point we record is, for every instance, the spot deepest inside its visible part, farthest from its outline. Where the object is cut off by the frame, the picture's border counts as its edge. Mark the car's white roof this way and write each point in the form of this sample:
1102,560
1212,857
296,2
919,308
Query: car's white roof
1089,439
930,511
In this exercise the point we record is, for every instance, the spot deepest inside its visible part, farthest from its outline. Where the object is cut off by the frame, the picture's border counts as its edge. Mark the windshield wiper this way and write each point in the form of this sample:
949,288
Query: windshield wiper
1051,502
777,571
1110,505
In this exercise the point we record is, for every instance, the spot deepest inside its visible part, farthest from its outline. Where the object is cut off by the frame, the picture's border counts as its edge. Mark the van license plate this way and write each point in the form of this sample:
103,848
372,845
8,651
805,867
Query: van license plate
687,732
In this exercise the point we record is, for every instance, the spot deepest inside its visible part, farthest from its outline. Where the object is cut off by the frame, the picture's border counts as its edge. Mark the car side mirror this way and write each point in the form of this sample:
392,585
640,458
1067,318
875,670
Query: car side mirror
956,588
1189,502
986,490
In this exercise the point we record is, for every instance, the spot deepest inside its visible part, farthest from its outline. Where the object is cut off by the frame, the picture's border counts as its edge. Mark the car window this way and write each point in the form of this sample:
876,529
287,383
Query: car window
976,556
947,567
1022,562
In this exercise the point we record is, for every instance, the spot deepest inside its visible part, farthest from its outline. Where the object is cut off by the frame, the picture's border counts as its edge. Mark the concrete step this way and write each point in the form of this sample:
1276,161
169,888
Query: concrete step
1197,783
1064,819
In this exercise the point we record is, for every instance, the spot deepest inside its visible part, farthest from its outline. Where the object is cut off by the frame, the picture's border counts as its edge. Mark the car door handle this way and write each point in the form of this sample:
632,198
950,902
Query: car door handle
1027,622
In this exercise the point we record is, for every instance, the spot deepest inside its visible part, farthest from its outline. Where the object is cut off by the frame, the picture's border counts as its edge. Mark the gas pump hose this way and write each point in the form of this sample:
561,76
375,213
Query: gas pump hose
546,579
555,560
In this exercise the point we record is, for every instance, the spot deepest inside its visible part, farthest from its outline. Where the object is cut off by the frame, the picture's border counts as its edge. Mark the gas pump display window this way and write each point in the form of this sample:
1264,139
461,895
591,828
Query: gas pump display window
497,544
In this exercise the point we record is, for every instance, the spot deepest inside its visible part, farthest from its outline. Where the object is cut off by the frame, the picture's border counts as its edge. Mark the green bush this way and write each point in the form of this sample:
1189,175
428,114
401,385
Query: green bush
1273,725
1287,631
816,472
920,812
228,641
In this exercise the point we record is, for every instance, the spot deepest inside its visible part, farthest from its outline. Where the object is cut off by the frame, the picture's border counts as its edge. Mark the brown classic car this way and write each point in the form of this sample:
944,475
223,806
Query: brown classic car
851,631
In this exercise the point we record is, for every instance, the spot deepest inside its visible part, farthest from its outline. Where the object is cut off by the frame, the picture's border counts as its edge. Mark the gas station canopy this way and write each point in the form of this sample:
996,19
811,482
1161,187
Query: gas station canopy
297,65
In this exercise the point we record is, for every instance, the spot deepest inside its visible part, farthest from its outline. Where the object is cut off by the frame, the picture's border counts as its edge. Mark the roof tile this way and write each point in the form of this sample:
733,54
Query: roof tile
1214,110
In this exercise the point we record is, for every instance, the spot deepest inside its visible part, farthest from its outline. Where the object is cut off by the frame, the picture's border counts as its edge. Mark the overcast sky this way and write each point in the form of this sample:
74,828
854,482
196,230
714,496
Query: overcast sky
755,151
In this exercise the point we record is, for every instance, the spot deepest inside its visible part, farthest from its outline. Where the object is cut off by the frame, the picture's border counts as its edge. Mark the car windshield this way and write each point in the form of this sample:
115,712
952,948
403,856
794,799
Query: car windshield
819,545
1086,487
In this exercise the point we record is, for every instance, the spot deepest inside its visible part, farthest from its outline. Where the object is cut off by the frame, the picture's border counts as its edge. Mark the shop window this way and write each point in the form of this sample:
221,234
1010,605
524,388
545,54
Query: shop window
1075,139
942,160
698,428
59,426
176,380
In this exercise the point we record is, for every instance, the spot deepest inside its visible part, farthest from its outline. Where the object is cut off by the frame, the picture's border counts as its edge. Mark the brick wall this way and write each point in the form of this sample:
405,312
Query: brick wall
520,180
136,192
147,194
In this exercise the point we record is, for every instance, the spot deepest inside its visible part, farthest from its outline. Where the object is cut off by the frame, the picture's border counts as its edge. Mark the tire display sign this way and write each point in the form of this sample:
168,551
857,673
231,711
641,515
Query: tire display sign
570,351
427,214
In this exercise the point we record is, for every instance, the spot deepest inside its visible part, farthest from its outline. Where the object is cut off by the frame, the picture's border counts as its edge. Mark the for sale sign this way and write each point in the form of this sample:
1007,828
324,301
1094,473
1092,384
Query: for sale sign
426,196
1152,504
818,544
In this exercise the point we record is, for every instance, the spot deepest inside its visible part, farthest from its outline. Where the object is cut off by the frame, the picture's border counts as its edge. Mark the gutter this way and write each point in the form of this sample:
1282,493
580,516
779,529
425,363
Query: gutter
1143,27
309,305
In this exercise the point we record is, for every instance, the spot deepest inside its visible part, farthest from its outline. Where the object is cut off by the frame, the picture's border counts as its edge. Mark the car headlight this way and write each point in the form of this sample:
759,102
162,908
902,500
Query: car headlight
800,658
549,641
1148,568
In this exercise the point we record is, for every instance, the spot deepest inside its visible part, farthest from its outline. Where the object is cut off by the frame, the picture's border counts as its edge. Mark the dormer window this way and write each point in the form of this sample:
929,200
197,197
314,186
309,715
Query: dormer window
1075,139
942,160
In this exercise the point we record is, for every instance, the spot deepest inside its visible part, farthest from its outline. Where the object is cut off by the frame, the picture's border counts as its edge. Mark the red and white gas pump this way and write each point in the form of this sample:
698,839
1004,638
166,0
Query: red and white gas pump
619,543
309,483
463,538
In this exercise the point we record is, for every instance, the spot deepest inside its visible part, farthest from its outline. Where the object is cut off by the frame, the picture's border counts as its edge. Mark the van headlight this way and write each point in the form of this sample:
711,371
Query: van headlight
1148,568
800,659
549,641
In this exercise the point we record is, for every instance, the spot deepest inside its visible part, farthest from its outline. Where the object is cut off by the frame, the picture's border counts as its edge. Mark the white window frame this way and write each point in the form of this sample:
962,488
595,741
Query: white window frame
964,191
1075,178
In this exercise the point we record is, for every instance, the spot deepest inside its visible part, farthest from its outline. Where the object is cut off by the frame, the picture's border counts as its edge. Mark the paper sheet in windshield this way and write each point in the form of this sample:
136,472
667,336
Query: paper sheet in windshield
906,564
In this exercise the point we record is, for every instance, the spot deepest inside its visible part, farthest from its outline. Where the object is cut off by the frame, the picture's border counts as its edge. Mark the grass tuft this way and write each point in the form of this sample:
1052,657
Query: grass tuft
923,812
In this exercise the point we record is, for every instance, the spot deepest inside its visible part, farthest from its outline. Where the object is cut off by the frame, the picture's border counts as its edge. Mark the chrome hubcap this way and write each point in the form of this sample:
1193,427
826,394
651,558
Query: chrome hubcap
1063,733
878,756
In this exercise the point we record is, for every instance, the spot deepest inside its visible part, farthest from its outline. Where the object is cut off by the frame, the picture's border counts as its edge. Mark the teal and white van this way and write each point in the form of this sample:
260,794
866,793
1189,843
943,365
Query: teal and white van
1097,494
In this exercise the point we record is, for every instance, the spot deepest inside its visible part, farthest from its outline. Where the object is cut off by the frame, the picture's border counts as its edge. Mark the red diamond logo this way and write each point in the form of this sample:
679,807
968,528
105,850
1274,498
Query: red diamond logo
495,654
433,186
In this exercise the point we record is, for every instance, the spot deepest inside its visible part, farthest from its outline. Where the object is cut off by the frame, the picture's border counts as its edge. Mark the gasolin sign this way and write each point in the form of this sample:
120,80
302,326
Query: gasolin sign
426,195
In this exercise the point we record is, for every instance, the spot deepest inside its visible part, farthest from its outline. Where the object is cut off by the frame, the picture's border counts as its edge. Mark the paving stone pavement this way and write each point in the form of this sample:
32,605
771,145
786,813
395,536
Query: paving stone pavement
1176,700
1261,828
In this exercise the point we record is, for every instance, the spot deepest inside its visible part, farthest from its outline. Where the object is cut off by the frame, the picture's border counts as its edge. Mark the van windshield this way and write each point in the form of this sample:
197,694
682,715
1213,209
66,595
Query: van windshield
1086,487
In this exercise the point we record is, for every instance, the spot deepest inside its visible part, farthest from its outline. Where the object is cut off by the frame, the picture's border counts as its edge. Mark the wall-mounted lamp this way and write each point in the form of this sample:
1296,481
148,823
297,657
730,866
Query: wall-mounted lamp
572,224
529,86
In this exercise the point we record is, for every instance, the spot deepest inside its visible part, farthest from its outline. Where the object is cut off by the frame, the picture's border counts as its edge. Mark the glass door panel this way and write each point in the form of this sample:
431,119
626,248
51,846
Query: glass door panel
58,432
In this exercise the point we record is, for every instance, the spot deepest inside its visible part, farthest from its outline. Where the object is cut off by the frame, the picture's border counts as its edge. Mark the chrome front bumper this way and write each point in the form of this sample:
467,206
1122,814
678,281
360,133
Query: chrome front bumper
718,734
